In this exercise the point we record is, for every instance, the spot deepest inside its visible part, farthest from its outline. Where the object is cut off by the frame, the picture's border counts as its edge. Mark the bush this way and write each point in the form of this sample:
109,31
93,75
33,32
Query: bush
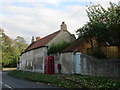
55,48
96,53
99,55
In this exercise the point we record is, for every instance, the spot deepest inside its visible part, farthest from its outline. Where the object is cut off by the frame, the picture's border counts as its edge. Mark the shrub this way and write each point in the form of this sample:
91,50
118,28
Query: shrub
96,53
55,48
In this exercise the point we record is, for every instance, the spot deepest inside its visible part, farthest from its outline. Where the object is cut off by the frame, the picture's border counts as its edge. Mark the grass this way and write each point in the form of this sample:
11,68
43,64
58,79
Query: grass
68,80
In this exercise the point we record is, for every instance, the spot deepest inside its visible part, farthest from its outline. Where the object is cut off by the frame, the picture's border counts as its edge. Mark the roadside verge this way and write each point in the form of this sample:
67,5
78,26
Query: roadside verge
68,80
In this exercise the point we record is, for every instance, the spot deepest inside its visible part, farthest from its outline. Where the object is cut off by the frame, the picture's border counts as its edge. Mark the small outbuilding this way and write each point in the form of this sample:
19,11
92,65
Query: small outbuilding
69,58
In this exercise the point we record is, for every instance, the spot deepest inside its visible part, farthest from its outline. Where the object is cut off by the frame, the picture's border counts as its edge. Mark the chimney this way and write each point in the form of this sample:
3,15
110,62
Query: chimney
63,26
119,3
32,39
37,38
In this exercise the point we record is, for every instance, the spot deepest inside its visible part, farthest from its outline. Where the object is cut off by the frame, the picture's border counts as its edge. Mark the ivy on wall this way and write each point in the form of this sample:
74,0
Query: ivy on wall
56,48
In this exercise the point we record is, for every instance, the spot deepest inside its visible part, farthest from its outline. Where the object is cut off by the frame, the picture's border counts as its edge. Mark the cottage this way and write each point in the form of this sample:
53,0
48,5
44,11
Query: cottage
33,58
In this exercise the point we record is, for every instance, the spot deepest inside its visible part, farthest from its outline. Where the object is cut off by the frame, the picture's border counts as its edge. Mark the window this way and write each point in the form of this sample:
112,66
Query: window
27,63
31,64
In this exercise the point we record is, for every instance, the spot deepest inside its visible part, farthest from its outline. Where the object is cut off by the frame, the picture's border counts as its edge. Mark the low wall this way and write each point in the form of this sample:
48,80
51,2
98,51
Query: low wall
104,67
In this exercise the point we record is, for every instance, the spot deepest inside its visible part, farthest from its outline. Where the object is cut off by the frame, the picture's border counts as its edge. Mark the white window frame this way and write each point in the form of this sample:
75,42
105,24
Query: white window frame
31,63
27,63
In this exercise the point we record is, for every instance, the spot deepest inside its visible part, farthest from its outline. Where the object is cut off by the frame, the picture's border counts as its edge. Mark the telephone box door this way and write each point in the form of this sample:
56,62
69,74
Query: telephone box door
49,64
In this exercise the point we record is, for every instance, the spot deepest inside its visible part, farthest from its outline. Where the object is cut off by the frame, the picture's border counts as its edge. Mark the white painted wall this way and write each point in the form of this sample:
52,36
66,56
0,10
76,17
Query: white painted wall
62,36
34,60
67,62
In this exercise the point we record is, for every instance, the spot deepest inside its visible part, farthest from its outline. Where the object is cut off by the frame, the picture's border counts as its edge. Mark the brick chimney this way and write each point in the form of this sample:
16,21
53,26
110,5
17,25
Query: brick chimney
119,3
37,38
63,26
32,39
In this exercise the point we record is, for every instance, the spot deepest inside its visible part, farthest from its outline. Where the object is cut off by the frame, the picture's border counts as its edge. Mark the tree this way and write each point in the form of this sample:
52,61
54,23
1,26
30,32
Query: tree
21,43
103,24
11,49
6,44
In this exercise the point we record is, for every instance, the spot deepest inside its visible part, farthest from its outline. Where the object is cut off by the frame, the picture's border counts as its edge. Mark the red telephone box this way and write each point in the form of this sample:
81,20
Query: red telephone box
49,64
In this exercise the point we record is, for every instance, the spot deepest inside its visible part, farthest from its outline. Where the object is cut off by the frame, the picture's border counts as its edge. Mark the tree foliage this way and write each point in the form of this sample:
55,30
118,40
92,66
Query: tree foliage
103,25
20,43
11,49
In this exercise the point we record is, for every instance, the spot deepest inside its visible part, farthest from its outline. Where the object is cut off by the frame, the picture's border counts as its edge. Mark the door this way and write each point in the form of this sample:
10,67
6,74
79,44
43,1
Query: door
49,65
77,62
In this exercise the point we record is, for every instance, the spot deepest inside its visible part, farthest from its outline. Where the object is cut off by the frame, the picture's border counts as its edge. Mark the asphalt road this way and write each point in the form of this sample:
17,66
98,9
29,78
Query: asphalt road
12,83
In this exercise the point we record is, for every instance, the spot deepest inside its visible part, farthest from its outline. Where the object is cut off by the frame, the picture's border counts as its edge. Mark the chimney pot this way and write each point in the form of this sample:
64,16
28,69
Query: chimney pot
37,38
63,26
32,39
63,22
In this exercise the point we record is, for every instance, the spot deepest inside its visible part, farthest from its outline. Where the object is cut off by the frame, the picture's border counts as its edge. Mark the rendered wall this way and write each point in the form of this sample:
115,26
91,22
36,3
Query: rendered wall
88,65
66,61
62,36
34,60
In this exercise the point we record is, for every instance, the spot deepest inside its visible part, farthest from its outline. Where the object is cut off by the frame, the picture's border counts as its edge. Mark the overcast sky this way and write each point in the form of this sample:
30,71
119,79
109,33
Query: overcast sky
29,18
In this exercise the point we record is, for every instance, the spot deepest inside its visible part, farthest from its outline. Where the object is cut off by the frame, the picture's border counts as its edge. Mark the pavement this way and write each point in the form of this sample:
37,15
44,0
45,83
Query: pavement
12,83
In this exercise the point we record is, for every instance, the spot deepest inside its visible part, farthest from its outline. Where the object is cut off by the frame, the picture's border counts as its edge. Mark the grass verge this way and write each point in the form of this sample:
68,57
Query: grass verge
68,80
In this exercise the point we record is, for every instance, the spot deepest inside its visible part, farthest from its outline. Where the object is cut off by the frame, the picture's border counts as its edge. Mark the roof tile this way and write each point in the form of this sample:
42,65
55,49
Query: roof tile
42,42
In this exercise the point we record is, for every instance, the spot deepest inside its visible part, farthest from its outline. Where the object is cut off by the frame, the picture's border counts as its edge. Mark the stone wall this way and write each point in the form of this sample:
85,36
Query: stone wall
104,67
56,61
34,60
66,61
88,65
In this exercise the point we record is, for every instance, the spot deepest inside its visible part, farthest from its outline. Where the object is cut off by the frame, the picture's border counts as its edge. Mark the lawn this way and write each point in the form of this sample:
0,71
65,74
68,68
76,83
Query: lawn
68,80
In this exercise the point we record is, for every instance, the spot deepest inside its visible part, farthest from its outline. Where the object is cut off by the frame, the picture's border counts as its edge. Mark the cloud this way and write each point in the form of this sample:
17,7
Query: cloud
56,1
40,19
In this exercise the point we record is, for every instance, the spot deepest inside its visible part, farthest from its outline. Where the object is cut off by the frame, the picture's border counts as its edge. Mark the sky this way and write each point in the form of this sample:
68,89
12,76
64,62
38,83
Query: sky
39,18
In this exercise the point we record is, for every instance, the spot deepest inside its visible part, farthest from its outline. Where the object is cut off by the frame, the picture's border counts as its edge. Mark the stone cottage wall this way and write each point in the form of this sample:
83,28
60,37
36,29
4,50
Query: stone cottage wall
56,61
66,61
34,60
22,61
62,36
104,67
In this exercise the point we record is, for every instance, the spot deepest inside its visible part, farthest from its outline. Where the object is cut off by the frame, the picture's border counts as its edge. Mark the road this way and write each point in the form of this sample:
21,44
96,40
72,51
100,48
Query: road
11,83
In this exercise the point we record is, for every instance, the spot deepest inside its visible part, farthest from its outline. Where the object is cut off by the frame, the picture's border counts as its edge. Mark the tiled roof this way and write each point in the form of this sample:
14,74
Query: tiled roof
42,42
75,46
